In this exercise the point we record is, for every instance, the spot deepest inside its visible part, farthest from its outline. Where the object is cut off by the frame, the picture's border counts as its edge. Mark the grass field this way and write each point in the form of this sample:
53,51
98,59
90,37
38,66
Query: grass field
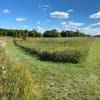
61,81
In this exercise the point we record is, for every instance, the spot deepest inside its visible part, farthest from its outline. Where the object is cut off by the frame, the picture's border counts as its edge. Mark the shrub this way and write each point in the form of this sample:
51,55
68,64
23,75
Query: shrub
71,56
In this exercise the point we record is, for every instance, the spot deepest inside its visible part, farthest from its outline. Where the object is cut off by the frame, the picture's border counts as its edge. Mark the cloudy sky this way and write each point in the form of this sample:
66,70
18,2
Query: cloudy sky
49,14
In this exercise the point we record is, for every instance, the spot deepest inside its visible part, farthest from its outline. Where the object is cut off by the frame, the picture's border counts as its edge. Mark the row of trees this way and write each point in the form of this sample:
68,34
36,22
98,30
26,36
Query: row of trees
34,33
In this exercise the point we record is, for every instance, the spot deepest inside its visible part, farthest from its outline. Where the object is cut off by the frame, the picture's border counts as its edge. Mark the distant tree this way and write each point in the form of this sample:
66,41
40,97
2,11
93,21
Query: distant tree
72,34
97,35
34,33
77,33
52,33
55,33
38,34
47,34
30,34
65,34
1,34
24,34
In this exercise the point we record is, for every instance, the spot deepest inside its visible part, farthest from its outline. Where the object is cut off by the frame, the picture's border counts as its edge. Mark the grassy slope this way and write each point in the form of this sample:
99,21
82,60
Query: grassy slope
64,81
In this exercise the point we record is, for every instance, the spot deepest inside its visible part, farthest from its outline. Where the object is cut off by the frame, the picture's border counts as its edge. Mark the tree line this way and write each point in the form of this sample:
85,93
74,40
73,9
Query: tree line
34,33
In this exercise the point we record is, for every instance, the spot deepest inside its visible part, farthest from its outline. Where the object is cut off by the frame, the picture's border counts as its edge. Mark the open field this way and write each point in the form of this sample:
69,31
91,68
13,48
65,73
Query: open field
59,81
49,49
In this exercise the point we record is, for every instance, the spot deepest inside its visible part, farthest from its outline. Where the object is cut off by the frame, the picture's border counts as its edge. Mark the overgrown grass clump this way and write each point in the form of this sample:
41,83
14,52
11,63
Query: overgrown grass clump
67,56
72,50
16,81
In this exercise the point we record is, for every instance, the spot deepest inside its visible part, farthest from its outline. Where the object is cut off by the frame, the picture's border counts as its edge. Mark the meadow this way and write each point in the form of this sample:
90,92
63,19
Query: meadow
50,80
69,50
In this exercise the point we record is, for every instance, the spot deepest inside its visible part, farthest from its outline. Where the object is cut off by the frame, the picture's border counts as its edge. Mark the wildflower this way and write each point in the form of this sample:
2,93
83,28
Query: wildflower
3,67
4,72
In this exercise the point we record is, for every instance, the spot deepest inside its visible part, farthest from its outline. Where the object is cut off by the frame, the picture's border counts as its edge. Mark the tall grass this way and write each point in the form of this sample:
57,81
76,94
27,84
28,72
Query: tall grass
16,81
72,50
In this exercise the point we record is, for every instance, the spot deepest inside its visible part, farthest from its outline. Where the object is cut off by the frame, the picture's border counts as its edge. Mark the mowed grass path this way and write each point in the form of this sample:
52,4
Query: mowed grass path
58,81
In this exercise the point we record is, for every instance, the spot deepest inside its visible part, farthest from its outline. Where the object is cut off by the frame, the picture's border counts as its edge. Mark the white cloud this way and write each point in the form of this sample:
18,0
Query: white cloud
25,27
63,23
75,24
70,10
71,24
96,15
21,19
95,24
44,7
40,29
91,31
6,11
59,15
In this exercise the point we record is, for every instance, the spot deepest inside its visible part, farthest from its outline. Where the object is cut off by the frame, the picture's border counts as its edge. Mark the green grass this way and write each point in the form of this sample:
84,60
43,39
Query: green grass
58,81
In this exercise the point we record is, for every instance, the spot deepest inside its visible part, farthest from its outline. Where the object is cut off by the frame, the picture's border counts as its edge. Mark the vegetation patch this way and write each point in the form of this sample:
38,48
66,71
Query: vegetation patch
16,81
73,50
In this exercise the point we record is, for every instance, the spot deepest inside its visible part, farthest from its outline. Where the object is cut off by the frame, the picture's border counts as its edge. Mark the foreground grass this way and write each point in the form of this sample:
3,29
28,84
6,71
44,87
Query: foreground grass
58,81
16,81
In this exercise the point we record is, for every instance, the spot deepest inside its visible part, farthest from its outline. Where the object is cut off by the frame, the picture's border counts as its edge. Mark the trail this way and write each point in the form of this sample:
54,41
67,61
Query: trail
93,60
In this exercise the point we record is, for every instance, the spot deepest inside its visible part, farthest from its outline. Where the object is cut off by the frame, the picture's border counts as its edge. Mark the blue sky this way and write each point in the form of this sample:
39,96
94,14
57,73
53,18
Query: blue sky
48,14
